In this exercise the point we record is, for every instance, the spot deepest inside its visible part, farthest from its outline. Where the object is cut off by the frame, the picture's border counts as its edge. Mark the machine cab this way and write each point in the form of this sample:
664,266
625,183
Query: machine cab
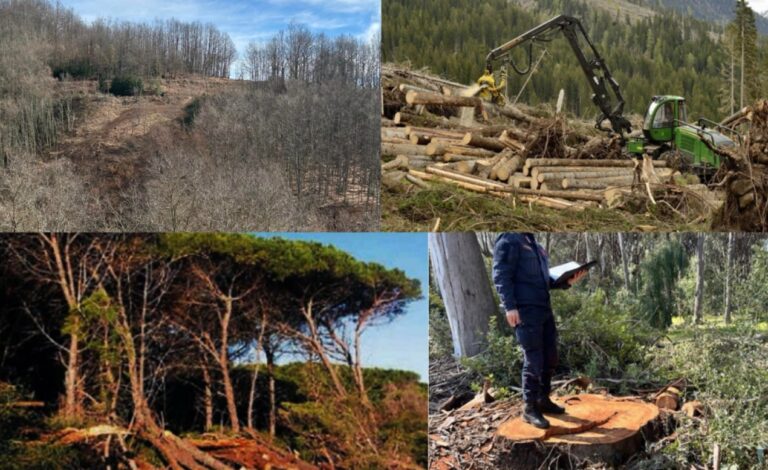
664,114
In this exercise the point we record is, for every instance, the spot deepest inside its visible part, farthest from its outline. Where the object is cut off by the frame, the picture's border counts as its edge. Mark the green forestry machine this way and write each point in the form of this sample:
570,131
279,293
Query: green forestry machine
666,131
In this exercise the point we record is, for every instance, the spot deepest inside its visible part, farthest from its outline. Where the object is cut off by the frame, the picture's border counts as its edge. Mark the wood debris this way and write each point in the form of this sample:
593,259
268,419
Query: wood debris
745,174
432,131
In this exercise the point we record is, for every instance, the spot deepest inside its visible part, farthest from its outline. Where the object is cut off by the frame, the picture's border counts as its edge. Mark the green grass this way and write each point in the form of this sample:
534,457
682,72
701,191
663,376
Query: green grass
414,209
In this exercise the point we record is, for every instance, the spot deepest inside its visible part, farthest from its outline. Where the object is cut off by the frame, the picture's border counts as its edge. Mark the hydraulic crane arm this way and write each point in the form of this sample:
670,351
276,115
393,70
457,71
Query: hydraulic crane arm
595,69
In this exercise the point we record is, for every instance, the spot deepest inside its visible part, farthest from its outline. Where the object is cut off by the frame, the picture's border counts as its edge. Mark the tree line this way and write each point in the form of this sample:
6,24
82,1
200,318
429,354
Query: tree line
112,48
652,278
667,53
131,317
299,54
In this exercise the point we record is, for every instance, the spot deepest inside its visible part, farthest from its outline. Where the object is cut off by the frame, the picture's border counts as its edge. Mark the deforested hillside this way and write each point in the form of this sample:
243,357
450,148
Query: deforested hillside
111,125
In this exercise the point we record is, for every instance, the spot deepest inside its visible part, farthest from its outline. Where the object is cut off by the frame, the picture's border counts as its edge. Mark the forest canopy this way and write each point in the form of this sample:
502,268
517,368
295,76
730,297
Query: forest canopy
184,333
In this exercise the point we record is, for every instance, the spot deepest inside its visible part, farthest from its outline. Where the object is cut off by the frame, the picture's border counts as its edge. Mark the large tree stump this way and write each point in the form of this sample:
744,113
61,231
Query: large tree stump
595,427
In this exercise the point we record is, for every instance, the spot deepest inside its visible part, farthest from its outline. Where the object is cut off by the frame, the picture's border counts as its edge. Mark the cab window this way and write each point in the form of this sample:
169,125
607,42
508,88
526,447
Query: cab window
665,116
683,112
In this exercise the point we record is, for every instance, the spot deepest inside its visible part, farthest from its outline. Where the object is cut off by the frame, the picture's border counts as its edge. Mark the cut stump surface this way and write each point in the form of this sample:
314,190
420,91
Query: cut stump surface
595,426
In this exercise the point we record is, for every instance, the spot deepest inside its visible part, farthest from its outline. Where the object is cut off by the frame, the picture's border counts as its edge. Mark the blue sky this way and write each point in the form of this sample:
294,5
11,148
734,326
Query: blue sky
401,344
245,20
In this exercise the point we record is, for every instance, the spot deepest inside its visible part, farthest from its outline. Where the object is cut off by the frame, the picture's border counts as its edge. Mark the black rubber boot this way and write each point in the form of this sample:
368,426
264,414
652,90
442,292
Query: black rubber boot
548,406
532,415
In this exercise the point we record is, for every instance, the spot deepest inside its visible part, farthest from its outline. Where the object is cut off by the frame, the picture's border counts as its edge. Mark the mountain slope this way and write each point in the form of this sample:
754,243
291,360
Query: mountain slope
717,11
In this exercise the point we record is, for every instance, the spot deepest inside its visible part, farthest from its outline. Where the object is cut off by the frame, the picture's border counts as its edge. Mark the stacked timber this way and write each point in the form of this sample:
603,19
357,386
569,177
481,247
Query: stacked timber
435,130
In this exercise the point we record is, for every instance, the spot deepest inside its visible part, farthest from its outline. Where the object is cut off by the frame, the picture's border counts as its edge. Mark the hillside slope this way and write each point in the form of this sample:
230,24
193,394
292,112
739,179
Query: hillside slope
717,11
114,136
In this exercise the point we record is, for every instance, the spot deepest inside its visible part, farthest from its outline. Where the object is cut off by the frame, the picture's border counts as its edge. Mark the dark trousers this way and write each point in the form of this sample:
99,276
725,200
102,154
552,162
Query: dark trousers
537,335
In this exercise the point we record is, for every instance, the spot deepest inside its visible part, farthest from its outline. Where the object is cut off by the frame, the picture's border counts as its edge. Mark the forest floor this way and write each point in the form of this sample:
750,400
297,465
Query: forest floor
453,209
716,385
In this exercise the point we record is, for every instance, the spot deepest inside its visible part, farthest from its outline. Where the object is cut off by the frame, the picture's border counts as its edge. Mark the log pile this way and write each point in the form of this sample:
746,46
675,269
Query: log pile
432,132
600,429
746,175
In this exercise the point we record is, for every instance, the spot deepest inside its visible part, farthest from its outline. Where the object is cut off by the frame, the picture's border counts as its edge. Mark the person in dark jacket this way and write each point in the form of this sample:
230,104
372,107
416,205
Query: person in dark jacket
521,276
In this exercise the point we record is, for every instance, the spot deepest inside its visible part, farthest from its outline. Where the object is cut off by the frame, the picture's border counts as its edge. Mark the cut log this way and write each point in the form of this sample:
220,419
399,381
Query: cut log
509,168
469,151
542,177
536,162
493,172
467,167
401,149
401,161
488,143
453,157
669,399
567,183
449,174
599,428
417,97
569,195
417,181
510,142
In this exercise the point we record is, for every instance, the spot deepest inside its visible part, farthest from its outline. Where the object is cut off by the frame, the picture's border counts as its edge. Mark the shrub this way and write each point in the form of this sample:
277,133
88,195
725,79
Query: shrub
191,111
440,342
126,86
502,361
153,88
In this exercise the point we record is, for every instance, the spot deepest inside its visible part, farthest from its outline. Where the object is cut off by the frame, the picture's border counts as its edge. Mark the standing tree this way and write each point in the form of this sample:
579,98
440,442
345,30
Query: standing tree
462,279
697,305
728,269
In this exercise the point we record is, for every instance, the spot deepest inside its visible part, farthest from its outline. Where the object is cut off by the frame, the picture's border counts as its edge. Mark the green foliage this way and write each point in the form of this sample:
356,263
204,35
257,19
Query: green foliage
440,341
126,86
16,454
191,111
502,361
600,338
751,292
283,259
329,424
77,69
153,88
660,271
727,370
103,84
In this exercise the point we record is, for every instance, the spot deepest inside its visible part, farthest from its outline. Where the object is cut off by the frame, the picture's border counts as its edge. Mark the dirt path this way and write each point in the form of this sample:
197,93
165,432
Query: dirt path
115,136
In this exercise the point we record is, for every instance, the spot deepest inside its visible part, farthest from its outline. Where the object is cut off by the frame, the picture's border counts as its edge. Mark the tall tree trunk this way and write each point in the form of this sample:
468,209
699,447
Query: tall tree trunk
464,285
72,404
207,397
229,394
71,379
229,390
728,268
624,263
742,66
699,296
272,398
